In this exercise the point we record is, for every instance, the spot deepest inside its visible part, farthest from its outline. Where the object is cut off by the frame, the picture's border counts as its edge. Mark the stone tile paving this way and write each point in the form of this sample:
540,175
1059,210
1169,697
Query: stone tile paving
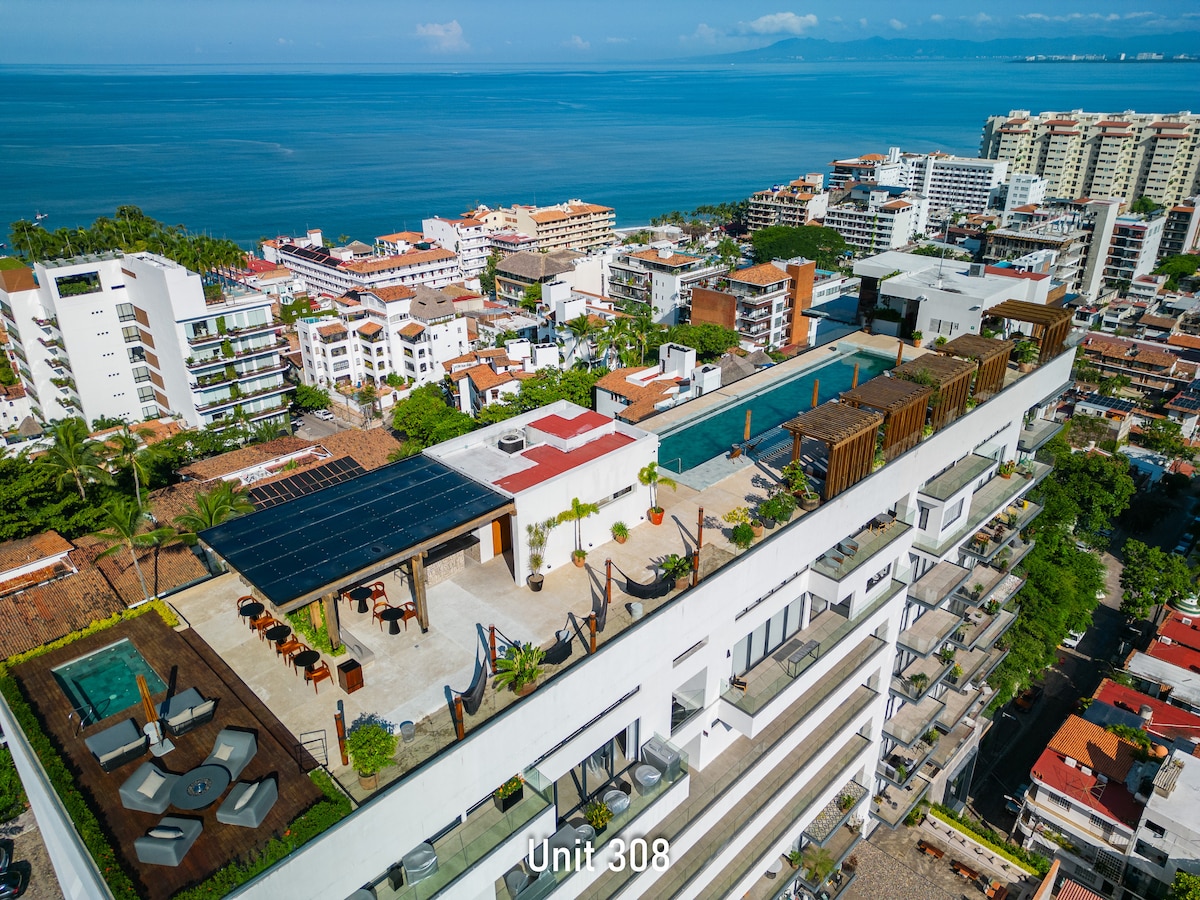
881,876
822,826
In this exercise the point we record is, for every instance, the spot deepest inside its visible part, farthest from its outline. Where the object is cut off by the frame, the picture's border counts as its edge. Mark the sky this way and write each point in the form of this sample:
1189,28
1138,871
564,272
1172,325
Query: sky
455,32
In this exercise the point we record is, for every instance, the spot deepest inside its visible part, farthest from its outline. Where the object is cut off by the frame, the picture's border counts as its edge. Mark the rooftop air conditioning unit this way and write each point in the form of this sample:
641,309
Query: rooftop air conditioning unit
511,442
1166,640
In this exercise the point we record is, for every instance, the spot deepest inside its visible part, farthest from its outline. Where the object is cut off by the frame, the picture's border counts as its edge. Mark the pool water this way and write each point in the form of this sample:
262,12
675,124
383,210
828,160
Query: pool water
104,682
699,441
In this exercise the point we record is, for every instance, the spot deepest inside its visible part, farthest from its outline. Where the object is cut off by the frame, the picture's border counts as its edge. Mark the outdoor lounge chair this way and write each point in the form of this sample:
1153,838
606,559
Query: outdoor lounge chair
168,842
148,789
186,711
115,746
233,750
248,804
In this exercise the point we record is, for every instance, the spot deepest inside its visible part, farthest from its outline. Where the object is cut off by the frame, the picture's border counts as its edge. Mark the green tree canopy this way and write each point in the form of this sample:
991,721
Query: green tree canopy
487,278
816,242
708,340
1177,267
309,397
73,457
1152,577
1088,489
1166,437
214,506
426,419
1184,887
1144,205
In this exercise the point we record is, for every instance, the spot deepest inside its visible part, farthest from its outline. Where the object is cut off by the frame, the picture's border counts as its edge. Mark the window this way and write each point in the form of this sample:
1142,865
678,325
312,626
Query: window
141,373
136,354
1155,829
149,412
125,312
953,513
145,393
130,333
1059,801
923,516
341,366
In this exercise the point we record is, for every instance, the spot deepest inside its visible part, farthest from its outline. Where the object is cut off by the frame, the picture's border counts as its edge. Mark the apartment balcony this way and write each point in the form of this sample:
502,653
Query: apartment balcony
772,676
919,678
948,746
932,588
845,840
986,502
215,359
957,477
59,364
957,705
893,804
52,343
481,831
826,829
851,553
929,632
977,665
904,764
241,398
912,720
982,629
51,322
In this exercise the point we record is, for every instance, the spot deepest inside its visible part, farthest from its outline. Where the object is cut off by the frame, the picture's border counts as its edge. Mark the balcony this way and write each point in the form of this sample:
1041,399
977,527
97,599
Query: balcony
985,503
920,677
977,665
912,720
826,829
771,677
981,628
938,583
949,744
957,705
241,398
929,632
848,555
893,804
902,766
481,832
990,540
957,477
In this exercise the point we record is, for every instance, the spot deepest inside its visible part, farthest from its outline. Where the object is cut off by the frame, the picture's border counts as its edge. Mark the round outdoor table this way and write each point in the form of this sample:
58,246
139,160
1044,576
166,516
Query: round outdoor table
200,787
360,595
306,658
392,615
278,633
251,611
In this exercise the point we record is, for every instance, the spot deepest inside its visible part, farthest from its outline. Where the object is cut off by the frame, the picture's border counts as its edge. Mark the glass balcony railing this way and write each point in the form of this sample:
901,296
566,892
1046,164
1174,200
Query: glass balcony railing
481,832
912,720
848,555
985,503
958,476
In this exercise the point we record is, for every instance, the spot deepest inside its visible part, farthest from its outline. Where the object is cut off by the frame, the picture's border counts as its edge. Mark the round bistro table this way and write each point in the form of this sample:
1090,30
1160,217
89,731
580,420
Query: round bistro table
306,658
392,615
251,611
277,633
200,787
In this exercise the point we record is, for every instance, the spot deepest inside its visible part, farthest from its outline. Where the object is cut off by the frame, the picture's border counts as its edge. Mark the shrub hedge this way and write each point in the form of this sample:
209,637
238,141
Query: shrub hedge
993,840
12,792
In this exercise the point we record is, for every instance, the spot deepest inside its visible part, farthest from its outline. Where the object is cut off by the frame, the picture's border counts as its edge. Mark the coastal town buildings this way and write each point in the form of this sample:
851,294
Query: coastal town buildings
799,202
1181,230
756,302
949,183
660,277
876,218
1084,154
573,225
465,236
132,336
1133,248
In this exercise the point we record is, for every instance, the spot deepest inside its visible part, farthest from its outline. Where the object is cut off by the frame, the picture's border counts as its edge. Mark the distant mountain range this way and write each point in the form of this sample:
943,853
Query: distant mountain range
812,49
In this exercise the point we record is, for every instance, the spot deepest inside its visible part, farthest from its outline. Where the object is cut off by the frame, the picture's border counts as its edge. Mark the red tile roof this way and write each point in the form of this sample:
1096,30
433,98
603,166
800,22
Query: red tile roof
551,461
763,274
1073,890
47,612
413,329
1093,747
569,428
23,551
1114,799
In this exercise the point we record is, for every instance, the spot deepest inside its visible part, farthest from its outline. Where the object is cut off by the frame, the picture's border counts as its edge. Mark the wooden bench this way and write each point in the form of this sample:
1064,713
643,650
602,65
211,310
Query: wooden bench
962,870
930,850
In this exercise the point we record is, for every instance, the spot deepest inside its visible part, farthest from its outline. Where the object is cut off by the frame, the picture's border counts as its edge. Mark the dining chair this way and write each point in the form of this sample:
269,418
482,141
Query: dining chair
319,672
377,610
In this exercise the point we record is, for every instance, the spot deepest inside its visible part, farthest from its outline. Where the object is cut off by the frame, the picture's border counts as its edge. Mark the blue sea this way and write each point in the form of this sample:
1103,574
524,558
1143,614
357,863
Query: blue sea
254,153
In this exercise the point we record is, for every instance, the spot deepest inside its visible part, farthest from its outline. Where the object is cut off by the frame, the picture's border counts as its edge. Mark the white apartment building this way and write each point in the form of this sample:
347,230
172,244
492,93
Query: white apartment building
799,202
878,219
573,225
660,278
131,336
1082,154
1019,191
1181,230
465,236
773,705
870,168
756,302
953,183
1133,248
330,274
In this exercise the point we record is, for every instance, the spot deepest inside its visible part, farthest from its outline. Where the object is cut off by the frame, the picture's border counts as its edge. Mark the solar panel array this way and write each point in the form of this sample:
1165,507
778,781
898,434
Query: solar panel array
264,496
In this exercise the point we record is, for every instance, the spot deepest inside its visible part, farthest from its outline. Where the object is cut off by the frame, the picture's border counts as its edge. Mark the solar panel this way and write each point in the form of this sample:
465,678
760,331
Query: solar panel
329,473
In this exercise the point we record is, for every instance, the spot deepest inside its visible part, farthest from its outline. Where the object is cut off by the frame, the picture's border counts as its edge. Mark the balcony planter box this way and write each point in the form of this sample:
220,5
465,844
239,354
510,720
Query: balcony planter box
504,804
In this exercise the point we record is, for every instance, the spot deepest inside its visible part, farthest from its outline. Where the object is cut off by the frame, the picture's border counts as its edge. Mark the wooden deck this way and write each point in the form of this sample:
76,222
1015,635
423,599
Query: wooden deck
182,660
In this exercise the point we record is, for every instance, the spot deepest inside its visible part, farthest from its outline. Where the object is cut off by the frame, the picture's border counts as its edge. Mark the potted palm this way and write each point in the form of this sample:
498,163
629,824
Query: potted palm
538,533
620,532
818,864
577,513
371,743
916,338
677,568
653,479
1026,353
598,815
509,794
794,858
519,668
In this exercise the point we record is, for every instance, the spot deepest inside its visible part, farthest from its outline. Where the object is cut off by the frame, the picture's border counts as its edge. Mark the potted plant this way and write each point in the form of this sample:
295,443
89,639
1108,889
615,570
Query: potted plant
653,479
977,590
598,815
1026,354
778,507
956,673
620,532
371,743
742,535
519,668
538,533
850,863
901,773
794,858
677,568
1007,468
931,736
818,865
509,794
941,341
845,802
946,655
918,682
577,513
916,338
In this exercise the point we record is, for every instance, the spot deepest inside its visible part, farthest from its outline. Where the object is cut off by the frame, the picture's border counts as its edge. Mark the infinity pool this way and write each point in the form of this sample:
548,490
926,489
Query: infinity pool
698,441
104,682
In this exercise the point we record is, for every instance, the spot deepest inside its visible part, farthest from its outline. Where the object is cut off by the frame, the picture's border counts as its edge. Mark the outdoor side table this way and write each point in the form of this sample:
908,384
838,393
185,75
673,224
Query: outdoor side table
306,658
360,595
251,611
200,787
392,615
278,633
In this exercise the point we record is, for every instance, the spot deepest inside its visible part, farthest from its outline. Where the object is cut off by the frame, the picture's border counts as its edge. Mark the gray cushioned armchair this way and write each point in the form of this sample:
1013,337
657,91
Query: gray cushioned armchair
233,750
148,789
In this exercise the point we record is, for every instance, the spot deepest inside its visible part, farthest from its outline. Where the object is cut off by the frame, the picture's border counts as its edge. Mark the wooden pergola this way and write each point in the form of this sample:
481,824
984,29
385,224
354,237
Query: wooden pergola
903,404
848,432
990,354
951,382
1051,324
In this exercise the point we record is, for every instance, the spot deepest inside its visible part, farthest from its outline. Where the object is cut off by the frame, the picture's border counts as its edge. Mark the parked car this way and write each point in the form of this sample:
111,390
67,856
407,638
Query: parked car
1029,697
324,415
1016,799
1071,641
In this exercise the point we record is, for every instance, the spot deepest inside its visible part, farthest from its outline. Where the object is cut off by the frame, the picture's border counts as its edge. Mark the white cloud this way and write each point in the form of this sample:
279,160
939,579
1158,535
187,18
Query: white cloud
896,25
937,17
617,40
444,37
862,23
778,23
1089,17
705,34
981,18
284,41
577,43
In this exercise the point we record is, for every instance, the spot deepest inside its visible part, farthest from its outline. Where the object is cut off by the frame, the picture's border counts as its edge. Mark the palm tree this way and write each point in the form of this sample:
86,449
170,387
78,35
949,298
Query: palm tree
129,453
641,328
213,507
123,523
616,339
582,329
159,538
577,513
73,456
650,476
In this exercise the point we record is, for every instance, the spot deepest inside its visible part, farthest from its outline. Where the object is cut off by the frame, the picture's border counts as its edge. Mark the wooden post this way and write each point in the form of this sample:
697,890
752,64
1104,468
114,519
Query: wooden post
816,389
746,436
900,354
459,730
417,570
314,615
797,441
608,582
695,568
332,625
492,647
700,528
854,384
592,629
339,727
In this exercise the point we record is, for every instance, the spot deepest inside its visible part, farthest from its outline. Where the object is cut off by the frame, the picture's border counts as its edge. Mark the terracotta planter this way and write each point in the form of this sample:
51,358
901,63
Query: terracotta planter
621,539
368,782
916,342
578,560
655,515
681,583
504,804
1006,474
526,689
757,528
1025,367
535,582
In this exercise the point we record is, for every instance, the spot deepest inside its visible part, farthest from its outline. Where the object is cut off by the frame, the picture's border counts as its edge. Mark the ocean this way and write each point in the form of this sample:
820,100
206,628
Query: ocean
365,152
